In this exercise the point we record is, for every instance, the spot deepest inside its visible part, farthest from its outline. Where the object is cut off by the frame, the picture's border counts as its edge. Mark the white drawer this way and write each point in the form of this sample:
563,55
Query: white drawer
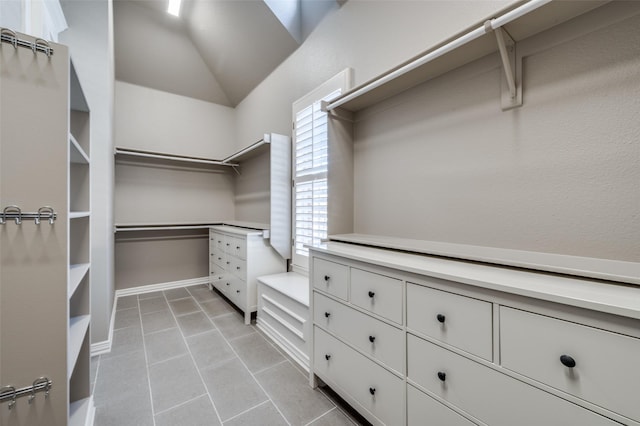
377,293
239,248
219,241
606,370
229,245
216,272
237,293
371,336
218,257
377,391
459,321
331,277
223,285
238,267
490,396
424,410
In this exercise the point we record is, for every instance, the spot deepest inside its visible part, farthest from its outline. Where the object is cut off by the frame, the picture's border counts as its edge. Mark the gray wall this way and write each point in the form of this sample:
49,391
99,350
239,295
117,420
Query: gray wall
443,162
90,44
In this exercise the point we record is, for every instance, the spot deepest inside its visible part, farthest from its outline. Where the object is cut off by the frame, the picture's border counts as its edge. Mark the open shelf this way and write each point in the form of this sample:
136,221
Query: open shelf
80,410
78,327
76,274
78,215
520,23
251,151
76,153
138,154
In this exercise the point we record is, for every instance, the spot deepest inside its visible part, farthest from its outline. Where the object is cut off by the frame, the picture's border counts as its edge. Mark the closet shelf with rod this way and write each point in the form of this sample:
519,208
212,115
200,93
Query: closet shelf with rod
494,35
191,225
133,153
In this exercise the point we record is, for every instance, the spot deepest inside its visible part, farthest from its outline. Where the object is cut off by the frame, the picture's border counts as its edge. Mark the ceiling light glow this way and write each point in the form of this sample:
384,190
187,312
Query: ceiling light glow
174,7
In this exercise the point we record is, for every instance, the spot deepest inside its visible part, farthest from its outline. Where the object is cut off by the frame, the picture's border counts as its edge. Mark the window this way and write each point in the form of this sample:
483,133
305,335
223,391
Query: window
310,168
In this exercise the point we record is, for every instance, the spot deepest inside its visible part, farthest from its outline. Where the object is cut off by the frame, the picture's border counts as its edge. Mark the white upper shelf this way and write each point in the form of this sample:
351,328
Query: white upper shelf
76,153
521,22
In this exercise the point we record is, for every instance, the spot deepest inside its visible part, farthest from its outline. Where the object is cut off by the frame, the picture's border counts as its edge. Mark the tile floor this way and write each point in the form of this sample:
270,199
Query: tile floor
184,357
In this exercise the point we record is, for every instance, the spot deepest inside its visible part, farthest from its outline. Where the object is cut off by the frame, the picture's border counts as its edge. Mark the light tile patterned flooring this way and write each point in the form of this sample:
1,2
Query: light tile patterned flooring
183,357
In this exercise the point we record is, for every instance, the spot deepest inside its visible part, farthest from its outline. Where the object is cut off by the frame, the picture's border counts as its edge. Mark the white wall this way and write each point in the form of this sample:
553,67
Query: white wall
152,120
443,162
91,47
369,36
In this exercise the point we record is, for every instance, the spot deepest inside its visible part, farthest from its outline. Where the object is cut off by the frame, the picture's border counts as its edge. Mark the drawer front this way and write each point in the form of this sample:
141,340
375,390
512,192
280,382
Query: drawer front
478,390
238,267
229,245
218,257
223,285
359,377
606,370
377,293
240,248
331,277
459,321
237,293
216,272
219,241
371,336
424,410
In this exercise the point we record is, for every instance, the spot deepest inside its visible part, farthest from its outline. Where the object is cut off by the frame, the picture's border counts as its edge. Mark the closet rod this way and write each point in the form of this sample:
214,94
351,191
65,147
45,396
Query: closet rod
265,140
161,156
39,45
160,228
487,27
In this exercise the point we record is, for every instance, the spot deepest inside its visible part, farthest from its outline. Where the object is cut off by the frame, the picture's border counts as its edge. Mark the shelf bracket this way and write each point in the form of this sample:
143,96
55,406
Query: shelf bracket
235,169
337,113
511,85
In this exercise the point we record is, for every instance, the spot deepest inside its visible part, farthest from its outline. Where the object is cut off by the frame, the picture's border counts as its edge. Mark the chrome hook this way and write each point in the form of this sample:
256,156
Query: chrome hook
11,34
9,390
44,43
43,211
47,386
13,209
36,382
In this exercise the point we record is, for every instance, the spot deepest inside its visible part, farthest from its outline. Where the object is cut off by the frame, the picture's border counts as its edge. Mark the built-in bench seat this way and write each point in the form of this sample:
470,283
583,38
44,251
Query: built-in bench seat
283,313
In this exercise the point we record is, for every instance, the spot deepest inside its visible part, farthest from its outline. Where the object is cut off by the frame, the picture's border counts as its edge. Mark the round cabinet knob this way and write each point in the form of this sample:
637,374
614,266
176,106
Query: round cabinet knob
237,291
238,268
327,357
237,247
228,263
372,391
327,314
442,376
228,244
440,318
567,361
372,339
327,277
371,294
227,283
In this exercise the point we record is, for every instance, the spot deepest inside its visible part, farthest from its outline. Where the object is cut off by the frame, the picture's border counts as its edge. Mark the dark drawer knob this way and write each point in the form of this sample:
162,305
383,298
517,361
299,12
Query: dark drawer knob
237,291
440,318
567,361
327,314
372,339
327,277
238,268
327,357
372,391
228,263
442,376
227,283
228,244
371,294
237,247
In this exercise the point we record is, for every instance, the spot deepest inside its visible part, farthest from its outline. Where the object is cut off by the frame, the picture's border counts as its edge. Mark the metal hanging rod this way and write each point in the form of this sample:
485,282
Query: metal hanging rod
172,157
39,45
16,214
10,393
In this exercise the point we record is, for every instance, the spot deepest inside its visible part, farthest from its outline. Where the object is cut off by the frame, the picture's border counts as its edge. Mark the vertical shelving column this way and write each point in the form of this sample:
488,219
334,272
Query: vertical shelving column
81,406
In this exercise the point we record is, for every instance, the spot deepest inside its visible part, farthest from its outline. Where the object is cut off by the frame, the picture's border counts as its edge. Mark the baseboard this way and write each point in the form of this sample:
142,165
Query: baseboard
104,347
161,286
296,354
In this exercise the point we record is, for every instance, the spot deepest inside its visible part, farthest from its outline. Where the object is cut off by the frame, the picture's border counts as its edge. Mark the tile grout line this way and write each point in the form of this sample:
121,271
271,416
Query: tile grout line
245,366
191,354
247,410
322,415
146,365
182,403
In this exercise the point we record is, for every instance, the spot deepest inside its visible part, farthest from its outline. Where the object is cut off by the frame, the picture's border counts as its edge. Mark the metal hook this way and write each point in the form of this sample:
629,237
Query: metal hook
44,211
9,390
11,34
39,381
44,43
13,209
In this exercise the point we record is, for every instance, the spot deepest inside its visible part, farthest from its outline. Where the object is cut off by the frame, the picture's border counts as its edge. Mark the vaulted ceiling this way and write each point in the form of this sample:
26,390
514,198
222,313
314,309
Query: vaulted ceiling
217,50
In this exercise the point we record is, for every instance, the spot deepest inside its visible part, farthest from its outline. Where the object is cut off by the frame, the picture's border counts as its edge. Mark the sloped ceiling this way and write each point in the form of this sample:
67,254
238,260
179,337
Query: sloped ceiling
217,51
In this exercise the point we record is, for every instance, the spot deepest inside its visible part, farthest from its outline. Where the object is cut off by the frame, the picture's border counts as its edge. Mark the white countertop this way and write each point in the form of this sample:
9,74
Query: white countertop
603,296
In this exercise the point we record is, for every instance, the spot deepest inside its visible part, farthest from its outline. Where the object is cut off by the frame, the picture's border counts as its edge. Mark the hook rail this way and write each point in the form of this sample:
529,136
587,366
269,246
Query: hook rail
39,45
16,214
10,393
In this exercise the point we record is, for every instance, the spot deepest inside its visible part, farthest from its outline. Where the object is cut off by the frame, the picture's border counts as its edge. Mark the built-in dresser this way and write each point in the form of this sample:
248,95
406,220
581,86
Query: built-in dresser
410,339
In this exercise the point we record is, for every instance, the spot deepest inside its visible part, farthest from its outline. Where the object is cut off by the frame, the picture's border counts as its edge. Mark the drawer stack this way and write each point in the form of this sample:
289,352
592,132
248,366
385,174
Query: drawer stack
237,256
407,349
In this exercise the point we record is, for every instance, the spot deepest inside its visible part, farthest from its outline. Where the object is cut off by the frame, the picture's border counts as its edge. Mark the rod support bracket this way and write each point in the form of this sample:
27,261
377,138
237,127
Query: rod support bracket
511,85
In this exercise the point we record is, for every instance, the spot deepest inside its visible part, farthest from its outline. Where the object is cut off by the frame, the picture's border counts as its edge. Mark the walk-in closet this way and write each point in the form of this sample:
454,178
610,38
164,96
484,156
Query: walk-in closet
319,213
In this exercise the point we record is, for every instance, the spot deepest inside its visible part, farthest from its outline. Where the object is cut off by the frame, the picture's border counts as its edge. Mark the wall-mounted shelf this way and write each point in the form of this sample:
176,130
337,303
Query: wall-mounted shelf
78,215
519,23
129,227
251,151
78,327
183,159
76,274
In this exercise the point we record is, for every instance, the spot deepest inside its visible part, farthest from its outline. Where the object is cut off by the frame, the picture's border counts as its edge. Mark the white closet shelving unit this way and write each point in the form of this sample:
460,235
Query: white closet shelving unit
81,406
